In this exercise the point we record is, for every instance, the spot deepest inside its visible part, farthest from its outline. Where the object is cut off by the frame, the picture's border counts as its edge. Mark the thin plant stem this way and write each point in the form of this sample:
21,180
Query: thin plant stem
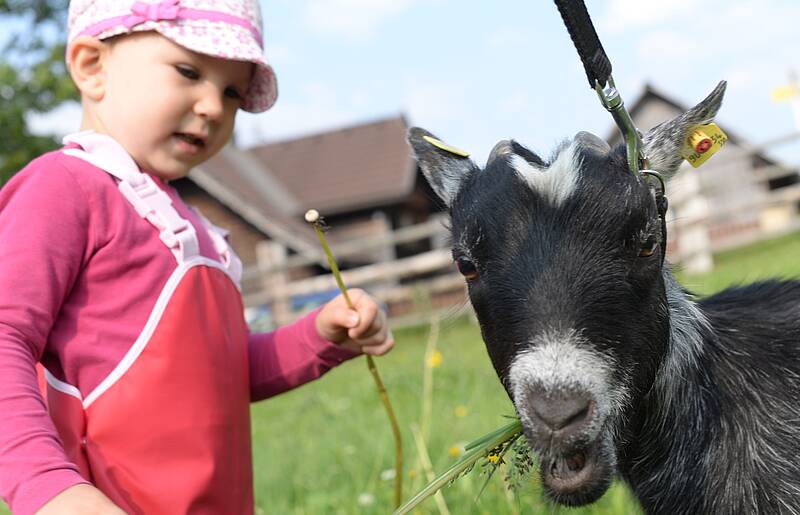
384,396
427,378
427,466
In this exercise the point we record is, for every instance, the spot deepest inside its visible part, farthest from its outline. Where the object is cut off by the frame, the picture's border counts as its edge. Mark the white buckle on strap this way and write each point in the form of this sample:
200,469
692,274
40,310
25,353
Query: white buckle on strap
151,203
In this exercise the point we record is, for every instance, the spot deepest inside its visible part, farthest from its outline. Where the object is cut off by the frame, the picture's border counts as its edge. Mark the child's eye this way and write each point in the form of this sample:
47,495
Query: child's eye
188,72
233,93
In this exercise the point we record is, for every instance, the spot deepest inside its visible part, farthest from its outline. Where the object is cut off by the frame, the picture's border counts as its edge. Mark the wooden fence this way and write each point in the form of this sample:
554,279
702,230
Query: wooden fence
700,224
408,286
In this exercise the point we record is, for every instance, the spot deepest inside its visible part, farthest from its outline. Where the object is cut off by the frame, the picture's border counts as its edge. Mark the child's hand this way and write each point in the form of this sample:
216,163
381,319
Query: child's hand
80,499
363,329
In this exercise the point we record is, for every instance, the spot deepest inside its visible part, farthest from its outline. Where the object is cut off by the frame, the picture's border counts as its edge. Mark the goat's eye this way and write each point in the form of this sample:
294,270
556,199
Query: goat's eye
467,268
648,247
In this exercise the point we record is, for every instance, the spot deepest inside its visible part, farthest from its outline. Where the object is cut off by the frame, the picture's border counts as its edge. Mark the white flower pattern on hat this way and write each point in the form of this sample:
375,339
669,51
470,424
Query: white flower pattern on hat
206,36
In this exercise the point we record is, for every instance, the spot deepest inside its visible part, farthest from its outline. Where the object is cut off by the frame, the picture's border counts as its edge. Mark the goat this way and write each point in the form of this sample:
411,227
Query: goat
614,369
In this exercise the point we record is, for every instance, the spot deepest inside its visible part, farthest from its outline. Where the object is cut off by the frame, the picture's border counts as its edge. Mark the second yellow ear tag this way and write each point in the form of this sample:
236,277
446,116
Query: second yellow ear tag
702,143
447,148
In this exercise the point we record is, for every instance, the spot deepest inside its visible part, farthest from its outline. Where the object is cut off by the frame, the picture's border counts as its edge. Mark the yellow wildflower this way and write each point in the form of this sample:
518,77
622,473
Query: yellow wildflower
461,411
435,359
455,451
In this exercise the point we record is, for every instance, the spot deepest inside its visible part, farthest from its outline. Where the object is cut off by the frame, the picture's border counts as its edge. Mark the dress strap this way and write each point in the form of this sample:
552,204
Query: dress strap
219,236
150,201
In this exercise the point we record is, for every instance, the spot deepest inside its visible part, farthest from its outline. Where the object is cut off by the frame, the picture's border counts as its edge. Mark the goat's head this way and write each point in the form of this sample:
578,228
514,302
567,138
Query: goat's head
563,263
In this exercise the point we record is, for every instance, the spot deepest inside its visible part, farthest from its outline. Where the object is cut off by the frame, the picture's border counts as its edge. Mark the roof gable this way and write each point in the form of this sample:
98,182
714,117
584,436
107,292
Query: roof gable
345,169
348,169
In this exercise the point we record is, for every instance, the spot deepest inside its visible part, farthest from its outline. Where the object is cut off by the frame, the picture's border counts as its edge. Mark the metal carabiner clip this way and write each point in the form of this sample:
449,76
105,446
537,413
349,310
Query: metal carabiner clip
612,101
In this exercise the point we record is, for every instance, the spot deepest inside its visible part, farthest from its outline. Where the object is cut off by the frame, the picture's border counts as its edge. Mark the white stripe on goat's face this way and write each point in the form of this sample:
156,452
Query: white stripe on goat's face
556,183
564,362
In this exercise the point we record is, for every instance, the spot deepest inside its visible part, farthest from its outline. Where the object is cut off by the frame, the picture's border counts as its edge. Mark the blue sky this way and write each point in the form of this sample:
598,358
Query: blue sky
475,72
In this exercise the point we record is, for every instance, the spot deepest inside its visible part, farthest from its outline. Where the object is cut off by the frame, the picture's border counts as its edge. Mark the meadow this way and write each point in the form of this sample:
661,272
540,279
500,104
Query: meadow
326,447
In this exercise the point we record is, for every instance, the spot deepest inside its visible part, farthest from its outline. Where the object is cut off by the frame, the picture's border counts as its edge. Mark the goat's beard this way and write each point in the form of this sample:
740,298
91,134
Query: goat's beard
577,476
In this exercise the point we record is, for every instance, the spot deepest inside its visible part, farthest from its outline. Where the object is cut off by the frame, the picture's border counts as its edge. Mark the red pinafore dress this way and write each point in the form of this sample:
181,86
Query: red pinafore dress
168,430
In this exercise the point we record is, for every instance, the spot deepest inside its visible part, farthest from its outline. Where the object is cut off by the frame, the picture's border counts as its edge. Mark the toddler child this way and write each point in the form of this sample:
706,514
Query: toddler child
127,297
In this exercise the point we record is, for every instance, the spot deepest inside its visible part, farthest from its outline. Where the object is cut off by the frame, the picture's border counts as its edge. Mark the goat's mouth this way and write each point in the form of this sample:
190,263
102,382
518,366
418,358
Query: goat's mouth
578,477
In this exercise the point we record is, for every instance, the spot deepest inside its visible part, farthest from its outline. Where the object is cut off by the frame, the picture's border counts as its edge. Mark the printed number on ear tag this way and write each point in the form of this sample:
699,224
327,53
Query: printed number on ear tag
702,143
447,148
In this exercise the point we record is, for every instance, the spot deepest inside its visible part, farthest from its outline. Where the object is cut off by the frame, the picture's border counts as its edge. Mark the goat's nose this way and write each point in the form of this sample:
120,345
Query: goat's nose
562,413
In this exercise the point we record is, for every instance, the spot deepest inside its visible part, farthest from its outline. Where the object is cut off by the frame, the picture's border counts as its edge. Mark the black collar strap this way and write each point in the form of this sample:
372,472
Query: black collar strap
662,204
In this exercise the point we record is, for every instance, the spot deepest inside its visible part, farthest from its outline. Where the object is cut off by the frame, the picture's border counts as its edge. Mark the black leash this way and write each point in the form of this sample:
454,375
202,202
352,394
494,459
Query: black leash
584,37
598,72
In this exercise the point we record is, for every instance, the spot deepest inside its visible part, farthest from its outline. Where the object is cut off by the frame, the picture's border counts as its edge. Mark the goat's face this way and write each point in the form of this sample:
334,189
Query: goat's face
563,263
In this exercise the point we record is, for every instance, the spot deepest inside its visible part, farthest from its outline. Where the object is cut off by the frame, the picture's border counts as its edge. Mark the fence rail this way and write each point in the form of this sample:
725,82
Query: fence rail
397,282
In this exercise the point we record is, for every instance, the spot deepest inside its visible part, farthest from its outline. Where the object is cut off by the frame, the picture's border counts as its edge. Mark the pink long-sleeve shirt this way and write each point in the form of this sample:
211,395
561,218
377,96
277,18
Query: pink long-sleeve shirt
80,272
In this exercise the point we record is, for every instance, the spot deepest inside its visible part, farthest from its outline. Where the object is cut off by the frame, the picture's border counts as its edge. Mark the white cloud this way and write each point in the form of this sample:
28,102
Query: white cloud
432,103
353,19
624,15
750,43
508,37
671,46
318,108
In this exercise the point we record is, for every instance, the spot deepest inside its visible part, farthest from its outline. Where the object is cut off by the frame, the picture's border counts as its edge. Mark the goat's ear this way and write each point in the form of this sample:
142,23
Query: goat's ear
663,142
444,169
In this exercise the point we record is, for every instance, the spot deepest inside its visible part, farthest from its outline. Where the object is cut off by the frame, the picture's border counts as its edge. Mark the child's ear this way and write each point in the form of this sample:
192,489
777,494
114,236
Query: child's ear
86,56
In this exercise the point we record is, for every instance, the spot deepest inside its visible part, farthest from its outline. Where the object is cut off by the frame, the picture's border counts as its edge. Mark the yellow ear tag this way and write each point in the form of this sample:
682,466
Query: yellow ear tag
447,148
702,143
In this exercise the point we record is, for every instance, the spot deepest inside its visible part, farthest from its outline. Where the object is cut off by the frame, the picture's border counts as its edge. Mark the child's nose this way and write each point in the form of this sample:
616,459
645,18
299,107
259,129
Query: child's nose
210,104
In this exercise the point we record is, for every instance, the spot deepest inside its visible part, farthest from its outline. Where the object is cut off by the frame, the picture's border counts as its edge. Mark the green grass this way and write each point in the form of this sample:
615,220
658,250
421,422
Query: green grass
322,447
779,257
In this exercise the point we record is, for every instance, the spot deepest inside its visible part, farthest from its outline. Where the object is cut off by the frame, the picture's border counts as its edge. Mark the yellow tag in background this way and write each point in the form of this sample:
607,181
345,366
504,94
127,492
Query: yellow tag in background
703,142
447,148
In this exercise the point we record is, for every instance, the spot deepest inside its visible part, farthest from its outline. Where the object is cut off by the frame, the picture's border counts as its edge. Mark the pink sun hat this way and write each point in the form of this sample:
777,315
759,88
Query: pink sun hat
229,29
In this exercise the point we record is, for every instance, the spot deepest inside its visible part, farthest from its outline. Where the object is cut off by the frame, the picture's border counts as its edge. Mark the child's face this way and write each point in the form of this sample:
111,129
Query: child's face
169,107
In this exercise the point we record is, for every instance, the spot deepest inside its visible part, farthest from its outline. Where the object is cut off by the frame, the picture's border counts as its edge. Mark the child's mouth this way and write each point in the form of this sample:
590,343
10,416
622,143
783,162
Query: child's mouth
195,143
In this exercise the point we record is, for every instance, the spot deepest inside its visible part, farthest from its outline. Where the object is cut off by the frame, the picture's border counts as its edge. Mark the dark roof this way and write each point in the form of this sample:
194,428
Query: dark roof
273,185
346,169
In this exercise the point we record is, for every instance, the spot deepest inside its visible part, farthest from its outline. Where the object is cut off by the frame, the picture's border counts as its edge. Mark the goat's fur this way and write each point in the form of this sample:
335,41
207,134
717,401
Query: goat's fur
693,403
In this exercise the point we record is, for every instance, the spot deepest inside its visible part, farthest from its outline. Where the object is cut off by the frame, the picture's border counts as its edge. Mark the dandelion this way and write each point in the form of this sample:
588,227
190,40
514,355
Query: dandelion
313,217
412,473
435,359
461,411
